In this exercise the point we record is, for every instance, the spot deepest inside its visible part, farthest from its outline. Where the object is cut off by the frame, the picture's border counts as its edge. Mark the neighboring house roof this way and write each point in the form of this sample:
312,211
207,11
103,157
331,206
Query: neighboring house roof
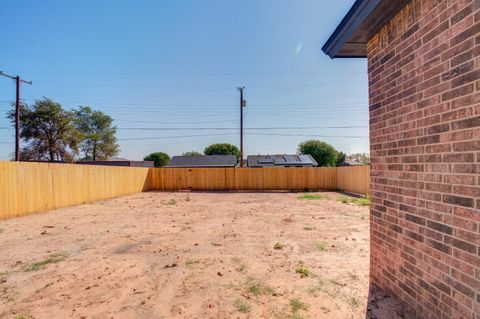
364,20
280,160
119,162
203,161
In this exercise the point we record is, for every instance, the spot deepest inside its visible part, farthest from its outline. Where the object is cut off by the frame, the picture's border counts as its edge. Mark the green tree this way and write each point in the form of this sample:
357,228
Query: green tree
48,130
192,153
222,149
341,159
159,158
98,134
322,152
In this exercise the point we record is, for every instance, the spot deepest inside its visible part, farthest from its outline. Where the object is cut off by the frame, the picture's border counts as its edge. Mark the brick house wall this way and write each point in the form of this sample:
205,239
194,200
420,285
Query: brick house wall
424,78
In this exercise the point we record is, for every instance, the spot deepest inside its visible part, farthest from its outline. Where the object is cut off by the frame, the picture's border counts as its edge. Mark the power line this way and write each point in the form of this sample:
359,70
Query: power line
231,134
307,135
336,105
195,87
233,128
169,122
191,73
167,137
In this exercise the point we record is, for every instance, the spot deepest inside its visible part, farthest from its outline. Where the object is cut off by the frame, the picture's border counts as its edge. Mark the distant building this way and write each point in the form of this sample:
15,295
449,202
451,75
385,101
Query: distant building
203,161
119,162
281,161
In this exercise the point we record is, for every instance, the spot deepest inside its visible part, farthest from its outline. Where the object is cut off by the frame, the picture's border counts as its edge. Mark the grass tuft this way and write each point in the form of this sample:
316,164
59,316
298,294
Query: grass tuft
258,288
321,246
171,202
52,259
189,263
312,196
303,271
278,246
239,264
242,306
296,305
353,302
362,201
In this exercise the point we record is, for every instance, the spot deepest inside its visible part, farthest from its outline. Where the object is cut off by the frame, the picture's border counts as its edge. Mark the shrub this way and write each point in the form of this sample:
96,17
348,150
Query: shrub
324,153
222,149
159,158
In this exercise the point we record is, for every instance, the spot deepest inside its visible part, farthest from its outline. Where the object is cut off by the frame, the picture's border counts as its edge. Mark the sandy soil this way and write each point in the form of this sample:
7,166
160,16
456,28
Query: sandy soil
191,255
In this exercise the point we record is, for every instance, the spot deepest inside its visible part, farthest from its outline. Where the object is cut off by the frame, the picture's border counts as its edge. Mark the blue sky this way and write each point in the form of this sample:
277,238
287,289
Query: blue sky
172,67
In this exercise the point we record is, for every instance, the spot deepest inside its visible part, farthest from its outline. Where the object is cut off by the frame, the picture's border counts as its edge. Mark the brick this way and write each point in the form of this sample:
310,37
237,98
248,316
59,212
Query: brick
458,200
428,139
467,123
415,219
439,246
440,227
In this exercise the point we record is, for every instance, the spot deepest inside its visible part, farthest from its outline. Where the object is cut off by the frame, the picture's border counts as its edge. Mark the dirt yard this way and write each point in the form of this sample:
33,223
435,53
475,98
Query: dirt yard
192,255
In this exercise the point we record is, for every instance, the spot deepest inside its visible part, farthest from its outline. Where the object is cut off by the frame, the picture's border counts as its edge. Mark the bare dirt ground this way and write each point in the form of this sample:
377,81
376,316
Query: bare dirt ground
192,255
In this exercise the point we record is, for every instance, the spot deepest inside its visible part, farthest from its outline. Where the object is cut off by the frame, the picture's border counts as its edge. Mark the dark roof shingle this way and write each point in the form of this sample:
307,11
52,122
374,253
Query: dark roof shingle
203,161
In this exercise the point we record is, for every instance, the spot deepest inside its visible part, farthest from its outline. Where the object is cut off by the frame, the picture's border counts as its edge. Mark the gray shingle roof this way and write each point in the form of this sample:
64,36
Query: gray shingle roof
203,161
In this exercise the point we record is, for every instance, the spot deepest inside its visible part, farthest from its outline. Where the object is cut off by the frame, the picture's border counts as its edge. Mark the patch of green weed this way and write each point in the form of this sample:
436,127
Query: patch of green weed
239,264
296,305
52,259
320,246
258,288
46,286
362,201
242,306
352,276
353,302
303,271
312,196
171,202
190,262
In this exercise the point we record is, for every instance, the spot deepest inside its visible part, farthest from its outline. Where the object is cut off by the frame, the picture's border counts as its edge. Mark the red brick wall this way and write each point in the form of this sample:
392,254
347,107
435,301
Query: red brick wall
424,74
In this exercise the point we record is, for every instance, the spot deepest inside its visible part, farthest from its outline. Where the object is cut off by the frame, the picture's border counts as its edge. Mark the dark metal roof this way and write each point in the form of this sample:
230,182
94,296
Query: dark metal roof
119,162
364,20
203,161
280,160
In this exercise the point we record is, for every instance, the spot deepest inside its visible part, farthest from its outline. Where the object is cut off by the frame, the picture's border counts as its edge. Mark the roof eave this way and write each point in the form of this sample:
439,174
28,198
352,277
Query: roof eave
363,20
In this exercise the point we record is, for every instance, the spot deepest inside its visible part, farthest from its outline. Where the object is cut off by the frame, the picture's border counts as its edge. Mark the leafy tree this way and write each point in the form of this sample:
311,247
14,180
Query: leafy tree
48,130
98,134
341,159
322,152
159,158
222,149
192,153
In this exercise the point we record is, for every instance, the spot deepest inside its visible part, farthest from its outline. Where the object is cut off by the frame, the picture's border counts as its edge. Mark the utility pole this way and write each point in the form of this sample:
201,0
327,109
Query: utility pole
17,81
243,104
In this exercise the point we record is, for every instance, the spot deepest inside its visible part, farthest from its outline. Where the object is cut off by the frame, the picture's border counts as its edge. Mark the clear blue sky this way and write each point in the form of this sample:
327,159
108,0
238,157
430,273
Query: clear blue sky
176,64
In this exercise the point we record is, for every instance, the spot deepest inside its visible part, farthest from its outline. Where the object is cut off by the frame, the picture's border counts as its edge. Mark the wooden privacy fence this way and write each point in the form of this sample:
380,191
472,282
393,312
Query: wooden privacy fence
26,188
231,179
